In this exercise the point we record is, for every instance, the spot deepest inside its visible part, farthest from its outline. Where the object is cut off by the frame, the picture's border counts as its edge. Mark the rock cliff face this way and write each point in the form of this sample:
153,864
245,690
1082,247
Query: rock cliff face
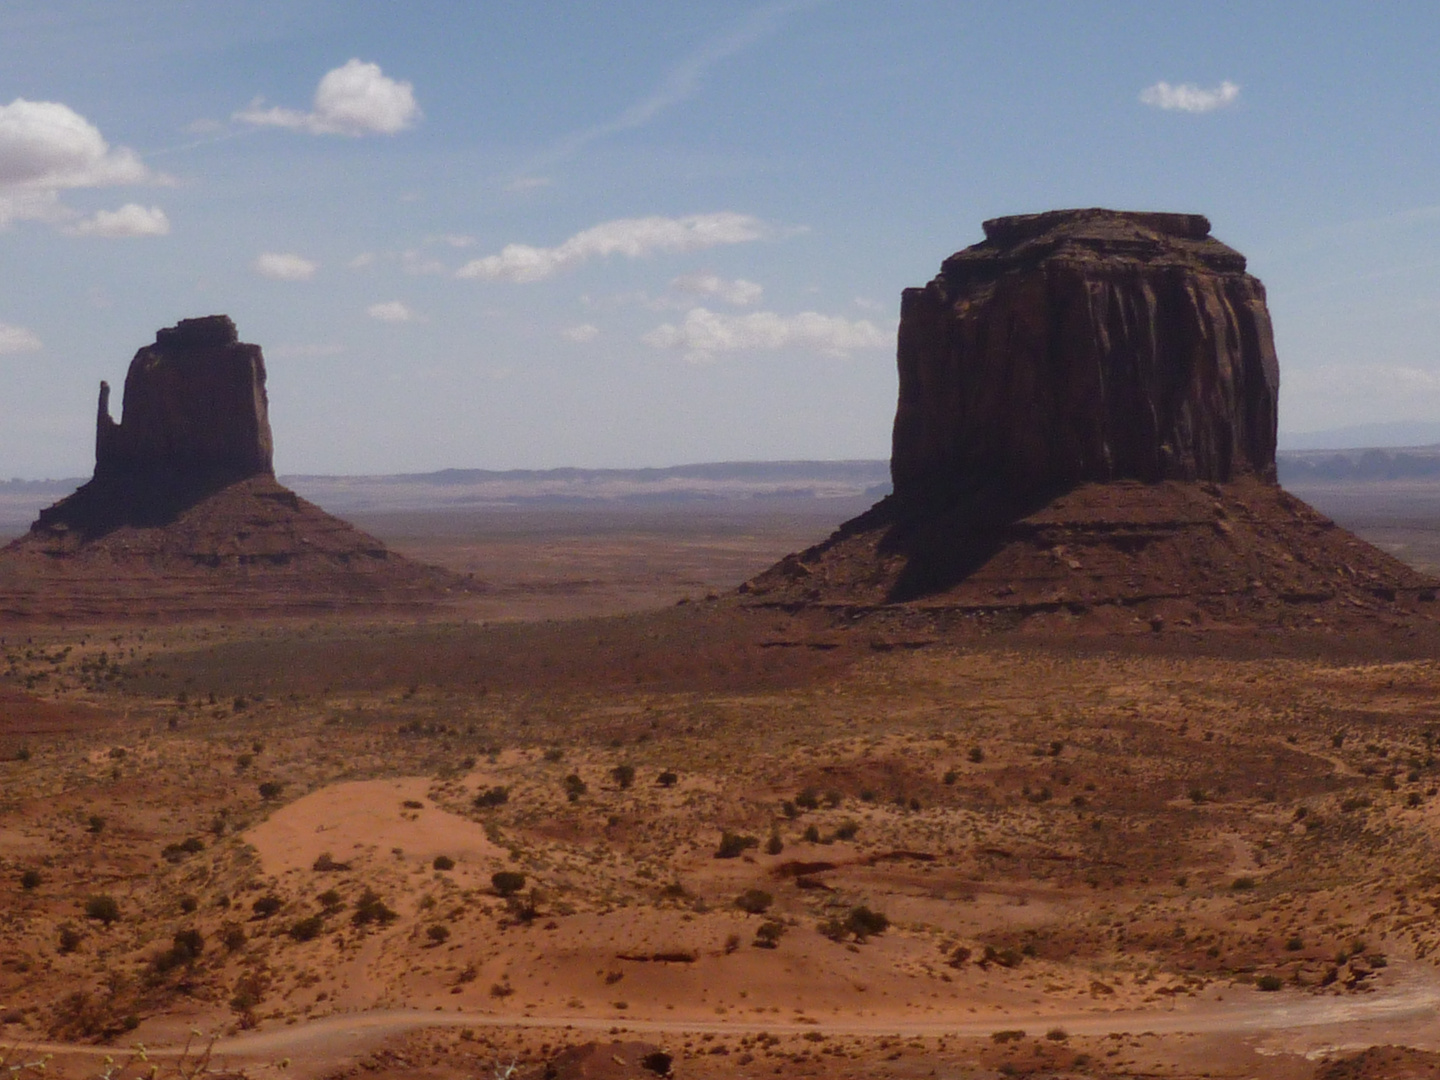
195,409
184,519
1084,345
1085,437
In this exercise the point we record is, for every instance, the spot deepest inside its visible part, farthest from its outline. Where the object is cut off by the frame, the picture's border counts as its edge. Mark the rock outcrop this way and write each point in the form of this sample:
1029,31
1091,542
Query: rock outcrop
1086,435
1084,345
184,517
195,409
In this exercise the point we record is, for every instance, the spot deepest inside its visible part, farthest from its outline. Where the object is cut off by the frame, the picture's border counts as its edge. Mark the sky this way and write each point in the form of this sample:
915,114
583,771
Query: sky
620,234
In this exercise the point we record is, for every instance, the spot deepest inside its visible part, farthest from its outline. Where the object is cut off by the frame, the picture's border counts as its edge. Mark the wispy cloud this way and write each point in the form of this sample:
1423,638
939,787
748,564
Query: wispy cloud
392,311
17,339
704,333
683,80
47,148
130,220
581,334
1187,97
738,292
354,99
285,266
631,237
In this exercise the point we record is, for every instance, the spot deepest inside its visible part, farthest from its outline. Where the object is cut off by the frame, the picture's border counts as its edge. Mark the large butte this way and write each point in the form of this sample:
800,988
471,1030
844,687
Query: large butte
184,517
1085,440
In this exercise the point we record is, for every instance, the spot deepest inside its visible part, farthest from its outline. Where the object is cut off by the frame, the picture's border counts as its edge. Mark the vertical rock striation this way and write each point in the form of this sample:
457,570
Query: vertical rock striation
1084,345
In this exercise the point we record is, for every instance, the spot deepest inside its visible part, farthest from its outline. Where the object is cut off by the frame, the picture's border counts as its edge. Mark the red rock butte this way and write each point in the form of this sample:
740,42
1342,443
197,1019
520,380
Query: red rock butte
184,517
1085,437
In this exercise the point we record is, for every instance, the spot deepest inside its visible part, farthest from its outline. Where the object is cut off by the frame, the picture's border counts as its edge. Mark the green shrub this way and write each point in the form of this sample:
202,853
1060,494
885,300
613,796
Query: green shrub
438,934
271,789
951,776
811,835
864,923
574,787
769,933
1269,983
774,846
371,909
492,797
30,879
232,936
809,799
754,901
103,908
308,928
623,775
267,905
69,940
847,830
331,901
667,779
976,755
443,862
96,823
732,845
507,882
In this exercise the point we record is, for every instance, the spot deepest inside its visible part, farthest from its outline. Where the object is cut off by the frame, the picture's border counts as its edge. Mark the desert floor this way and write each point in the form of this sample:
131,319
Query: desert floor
763,843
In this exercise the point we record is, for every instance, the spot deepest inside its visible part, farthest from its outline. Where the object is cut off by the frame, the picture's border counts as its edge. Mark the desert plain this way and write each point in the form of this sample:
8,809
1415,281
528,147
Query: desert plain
606,805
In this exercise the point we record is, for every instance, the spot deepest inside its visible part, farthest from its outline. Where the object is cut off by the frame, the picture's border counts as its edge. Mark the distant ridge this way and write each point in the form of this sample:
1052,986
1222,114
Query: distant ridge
1389,435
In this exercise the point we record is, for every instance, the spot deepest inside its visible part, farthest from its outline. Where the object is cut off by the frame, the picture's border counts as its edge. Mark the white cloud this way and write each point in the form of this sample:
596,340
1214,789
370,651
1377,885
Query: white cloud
391,311
361,261
705,333
738,292
16,339
631,237
285,266
47,148
1187,97
354,99
130,220
581,334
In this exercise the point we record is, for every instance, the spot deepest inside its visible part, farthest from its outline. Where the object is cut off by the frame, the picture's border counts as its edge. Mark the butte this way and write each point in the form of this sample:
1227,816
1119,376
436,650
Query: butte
1085,440
184,517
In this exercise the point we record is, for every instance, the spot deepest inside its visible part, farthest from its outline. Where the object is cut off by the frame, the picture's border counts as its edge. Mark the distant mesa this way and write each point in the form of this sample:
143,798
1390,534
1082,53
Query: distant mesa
184,517
1086,430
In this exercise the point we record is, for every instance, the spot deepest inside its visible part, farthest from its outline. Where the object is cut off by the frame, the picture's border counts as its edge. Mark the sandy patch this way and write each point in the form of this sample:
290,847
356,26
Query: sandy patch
367,818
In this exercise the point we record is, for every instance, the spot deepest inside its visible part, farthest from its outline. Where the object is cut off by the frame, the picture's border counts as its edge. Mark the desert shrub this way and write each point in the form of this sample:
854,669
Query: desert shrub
185,948
1413,799
554,754
525,909
371,909
769,933
789,809
267,905
847,830
574,787
331,901
833,798
501,990
976,755
103,908
189,904
809,799
959,956
438,934
811,835
30,879
232,936
950,777
95,823
412,804
1057,1034
754,901
667,779
1358,802
1269,983
1197,795
1337,740
732,943
507,882
443,862
732,845
271,789
325,862
492,797
243,762
1295,944
774,846
69,940
1243,884
623,775
863,922
1006,958
308,928
675,891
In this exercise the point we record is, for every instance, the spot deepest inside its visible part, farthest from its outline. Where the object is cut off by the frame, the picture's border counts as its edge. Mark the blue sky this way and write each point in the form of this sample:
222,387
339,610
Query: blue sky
500,235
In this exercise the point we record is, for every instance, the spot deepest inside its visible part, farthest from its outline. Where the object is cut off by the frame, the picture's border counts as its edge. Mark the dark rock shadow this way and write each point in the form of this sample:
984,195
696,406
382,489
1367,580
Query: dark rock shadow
146,500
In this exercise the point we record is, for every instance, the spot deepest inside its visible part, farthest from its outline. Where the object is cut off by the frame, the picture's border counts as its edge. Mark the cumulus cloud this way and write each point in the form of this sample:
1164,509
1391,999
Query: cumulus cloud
704,333
47,148
16,339
1187,97
738,292
132,219
581,334
354,99
631,237
391,311
285,266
